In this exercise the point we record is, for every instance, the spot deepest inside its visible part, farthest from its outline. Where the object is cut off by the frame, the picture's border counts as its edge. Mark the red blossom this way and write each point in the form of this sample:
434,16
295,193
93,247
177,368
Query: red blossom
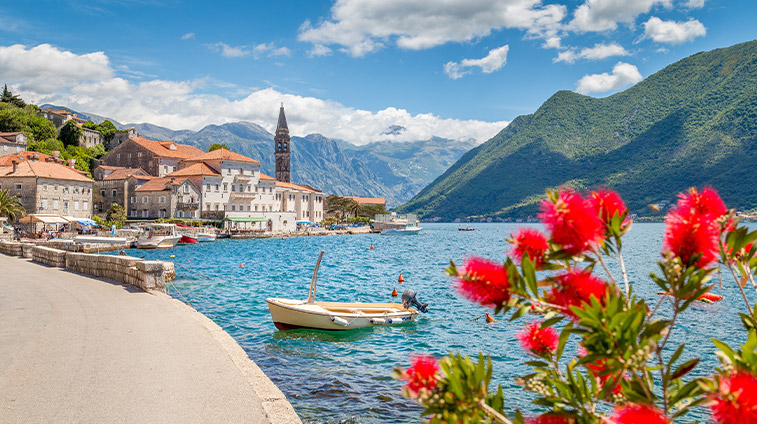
706,203
688,235
484,282
736,401
422,373
575,287
597,368
539,341
550,419
572,222
638,414
530,241
607,203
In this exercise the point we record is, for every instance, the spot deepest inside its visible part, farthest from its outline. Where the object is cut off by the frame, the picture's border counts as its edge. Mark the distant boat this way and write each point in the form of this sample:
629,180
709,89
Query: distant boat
288,314
158,236
187,239
466,229
406,231
206,237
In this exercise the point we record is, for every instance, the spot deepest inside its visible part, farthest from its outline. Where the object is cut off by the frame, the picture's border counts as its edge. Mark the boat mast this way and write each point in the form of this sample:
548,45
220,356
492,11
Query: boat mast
311,294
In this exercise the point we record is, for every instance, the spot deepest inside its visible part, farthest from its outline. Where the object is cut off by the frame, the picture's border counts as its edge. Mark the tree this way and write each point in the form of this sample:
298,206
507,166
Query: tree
116,215
10,206
70,133
89,124
107,130
216,146
8,97
14,118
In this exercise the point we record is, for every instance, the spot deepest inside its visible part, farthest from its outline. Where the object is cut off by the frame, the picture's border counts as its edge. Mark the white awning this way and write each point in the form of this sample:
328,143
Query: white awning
50,219
70,219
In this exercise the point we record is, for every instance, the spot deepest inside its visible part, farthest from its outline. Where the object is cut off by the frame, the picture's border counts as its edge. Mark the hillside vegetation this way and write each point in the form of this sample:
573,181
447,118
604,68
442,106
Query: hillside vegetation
693,123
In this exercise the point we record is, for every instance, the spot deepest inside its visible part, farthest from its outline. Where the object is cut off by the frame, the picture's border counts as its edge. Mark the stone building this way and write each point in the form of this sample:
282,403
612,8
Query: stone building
166,197
49,188
89,137
12,142
116,185
157,158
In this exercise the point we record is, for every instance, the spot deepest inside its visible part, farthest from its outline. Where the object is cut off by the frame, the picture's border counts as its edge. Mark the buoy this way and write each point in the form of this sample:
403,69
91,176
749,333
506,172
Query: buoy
283,238
489,318
401,279
187,260
394,292
371,246
241,264
172,256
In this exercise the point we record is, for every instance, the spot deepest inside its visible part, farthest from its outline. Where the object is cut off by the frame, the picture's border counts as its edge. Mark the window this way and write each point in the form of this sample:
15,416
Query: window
133,212
144,213
55,205
133,199
139,154
162,199
44,204
65,207
225,187
115,193
248,208
102,192
216,206
233,187
217,187
76,205
44,187
186,188
241,171
85,206
18,186
256,208
241,188
270,189
208,187
144,199
233,207
207,206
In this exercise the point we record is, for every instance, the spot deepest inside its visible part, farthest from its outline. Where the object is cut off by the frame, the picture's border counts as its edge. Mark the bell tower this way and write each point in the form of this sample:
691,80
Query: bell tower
281,146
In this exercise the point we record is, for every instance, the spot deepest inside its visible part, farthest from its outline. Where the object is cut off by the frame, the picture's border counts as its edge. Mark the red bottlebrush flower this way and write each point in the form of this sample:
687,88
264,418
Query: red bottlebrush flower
572,222
550,419
531,241
638,414
736,401
596,370
607,203
422,374
484,282
575,287
540,341
706,203
687,235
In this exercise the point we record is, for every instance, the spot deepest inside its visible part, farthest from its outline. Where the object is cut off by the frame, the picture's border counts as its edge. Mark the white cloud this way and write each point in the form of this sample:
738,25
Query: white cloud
552,43
229,51
695,4
604,15
319,50
598,52
623,75
87,83
493,61
45,67
673,32
188,36
364,26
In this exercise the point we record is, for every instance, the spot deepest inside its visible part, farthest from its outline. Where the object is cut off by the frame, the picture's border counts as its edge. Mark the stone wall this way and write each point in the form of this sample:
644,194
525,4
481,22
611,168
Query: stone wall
137,272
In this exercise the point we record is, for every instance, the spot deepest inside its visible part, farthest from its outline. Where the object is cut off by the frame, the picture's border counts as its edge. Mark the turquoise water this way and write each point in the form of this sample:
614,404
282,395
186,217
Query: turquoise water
344,377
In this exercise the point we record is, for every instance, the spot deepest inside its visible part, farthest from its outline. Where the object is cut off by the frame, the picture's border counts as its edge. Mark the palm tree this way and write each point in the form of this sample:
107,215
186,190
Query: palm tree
10,206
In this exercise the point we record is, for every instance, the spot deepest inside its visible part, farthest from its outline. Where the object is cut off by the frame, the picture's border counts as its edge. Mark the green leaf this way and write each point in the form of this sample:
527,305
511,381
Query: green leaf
685,368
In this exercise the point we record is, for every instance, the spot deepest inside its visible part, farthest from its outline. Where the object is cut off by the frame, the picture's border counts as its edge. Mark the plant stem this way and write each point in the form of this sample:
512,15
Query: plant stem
493,413
602,262
663,379
623,271
751,278
741,289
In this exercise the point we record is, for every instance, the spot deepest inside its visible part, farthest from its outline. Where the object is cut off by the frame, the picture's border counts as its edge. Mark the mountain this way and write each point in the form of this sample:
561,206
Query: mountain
395,171
693,123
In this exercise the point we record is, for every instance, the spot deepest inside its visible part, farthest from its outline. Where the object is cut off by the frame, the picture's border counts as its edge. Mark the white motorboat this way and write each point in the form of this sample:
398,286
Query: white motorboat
289,314
205,237
100,239
159,236
406,231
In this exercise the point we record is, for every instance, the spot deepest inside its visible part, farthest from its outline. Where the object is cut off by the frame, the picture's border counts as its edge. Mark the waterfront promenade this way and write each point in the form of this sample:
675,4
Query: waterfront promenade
80,349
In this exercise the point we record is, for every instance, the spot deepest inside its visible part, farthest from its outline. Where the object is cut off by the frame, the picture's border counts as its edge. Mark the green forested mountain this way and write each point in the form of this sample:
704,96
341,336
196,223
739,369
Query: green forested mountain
692,123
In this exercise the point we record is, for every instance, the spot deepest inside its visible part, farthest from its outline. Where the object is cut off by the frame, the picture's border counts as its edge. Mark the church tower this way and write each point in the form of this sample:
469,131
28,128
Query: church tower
281,147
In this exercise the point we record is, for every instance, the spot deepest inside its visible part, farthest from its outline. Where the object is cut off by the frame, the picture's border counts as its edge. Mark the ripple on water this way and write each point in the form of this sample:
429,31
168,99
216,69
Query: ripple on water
343,377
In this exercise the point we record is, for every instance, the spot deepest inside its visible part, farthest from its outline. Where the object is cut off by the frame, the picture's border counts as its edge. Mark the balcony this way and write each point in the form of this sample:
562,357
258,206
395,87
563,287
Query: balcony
242,178
238,195
182,206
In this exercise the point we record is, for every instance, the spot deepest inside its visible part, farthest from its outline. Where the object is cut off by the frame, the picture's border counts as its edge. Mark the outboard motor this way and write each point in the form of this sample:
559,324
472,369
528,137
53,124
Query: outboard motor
408,299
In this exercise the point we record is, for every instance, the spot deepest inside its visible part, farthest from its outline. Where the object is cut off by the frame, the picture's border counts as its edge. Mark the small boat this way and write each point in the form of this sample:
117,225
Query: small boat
707,297
466,229
288,314
187,239
206,237
406,231
158,236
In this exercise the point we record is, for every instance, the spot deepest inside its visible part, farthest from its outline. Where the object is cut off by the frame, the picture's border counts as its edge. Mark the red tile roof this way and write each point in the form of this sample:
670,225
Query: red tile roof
163,148
266,177
221,154
193,170
124,173
30,168
160,184
293,186
7,160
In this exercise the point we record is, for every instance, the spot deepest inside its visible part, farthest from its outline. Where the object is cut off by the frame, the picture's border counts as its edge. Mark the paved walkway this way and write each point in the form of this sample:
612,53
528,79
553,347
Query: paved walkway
84,350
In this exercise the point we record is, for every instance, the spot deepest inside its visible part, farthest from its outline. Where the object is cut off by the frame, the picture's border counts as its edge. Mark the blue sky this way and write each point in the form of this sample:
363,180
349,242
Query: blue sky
348,69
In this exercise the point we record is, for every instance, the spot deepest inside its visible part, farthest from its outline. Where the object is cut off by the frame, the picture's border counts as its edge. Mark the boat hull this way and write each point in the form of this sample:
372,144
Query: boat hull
289,314
158,242
187,240
203,238
409,231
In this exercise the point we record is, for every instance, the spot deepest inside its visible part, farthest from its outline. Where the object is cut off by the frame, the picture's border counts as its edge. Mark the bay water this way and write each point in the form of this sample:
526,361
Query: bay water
344,377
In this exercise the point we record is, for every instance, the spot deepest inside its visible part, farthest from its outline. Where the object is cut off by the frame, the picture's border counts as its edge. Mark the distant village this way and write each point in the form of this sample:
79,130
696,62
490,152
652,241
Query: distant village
153,180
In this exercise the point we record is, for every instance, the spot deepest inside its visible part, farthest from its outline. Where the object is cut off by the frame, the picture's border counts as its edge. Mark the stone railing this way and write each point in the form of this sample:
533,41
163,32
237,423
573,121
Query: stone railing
137,272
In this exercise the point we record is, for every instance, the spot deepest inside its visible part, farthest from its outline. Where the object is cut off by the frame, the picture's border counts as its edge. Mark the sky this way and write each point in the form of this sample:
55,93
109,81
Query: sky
348,69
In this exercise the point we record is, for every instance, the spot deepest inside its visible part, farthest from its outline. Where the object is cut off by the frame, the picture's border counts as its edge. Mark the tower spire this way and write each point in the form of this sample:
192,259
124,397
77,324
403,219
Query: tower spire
281,144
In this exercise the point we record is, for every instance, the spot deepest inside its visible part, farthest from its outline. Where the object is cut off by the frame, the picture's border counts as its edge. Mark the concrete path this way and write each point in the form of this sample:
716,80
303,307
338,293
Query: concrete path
75,349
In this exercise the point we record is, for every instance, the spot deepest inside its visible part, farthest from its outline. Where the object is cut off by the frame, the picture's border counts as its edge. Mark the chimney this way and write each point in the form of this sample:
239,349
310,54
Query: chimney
56,153
15,165
71,163
50,160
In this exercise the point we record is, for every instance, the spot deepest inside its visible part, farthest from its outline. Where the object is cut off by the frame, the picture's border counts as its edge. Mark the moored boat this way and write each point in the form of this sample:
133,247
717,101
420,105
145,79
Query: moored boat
289,314
206,237
158,236
406,231
187,239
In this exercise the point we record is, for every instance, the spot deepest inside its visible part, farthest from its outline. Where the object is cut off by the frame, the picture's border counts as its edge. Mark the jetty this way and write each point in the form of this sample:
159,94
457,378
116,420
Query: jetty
76,348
